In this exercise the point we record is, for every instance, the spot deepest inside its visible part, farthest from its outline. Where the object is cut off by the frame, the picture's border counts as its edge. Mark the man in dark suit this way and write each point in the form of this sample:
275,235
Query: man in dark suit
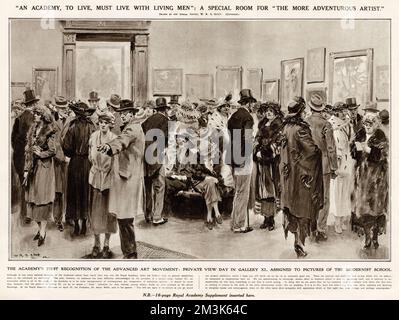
240,126
18,142
322,134
154,164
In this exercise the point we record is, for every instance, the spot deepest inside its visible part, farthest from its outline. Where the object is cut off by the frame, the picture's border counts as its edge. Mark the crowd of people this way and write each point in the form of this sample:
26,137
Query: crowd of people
100,165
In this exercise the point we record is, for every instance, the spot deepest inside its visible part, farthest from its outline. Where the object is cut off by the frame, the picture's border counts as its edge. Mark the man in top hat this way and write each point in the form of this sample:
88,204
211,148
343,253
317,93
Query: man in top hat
154,164
19,132
94,103
60,160
76,146
323,136
358,128
113,104
127,192
240,126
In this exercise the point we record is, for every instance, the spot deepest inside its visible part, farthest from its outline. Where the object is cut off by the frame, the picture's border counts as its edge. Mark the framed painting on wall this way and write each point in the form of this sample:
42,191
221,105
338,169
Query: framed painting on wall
199,86
351,75
167,82
291,80
315,65
321,91
254,81
44,81
18,89
270,90
382,83
228,80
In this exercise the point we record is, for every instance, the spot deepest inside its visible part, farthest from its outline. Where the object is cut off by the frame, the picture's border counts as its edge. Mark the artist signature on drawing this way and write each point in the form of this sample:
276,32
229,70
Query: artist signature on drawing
30,255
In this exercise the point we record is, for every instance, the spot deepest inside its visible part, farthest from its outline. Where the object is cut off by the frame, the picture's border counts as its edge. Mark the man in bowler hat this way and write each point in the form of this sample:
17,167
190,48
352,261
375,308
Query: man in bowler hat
18,143
322,134
358,128
240,127
154,166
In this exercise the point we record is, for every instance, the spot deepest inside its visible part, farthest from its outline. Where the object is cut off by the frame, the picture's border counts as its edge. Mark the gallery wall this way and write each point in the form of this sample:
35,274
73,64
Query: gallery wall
198,47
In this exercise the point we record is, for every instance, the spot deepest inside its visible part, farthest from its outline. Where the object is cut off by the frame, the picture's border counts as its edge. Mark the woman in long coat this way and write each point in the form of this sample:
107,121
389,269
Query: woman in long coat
76,147
267,159
372,177
101,221
301,176
341,187
39,176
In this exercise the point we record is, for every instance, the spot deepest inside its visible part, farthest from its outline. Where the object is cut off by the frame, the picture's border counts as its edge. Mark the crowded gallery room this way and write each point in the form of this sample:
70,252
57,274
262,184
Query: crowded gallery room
247,140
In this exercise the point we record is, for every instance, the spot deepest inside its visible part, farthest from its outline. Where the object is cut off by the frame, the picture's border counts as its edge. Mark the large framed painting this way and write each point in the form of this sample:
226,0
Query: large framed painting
228,80
254,81
321,91
270,90
167,82
351,75
45,81
382,83
291,80
199,86
316,65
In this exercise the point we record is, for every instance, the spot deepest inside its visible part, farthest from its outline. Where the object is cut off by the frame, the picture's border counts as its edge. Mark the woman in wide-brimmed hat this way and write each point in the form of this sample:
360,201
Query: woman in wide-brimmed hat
341,187
301,176
267,159
39,176
76,147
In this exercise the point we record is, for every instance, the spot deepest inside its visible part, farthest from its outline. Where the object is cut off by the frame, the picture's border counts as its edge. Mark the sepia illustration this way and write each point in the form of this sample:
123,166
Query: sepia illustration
126,144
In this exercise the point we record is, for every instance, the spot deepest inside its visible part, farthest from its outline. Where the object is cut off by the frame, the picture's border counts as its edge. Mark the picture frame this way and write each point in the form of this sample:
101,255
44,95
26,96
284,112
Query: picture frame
291,81
271,90
254,81
167,82
351,75
45,82
382,81
321,91
18,88
228,80
316,65
199,86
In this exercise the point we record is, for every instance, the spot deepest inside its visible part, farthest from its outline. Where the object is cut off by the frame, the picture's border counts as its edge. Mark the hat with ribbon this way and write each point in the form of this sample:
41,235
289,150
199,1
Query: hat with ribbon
127,105
30,97
246,97
93,96
60,102
114,101
351,103
160,103
174,100
316,102
81,108
371,107
296,106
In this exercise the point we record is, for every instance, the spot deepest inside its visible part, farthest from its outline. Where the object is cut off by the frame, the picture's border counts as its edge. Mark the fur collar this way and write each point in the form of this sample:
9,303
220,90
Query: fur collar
296,121
47,130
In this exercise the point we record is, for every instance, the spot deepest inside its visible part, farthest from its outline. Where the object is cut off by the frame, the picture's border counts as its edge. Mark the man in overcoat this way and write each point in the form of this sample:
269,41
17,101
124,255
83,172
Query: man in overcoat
60,160
19,133
240,126
323,136
154,165
127,191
